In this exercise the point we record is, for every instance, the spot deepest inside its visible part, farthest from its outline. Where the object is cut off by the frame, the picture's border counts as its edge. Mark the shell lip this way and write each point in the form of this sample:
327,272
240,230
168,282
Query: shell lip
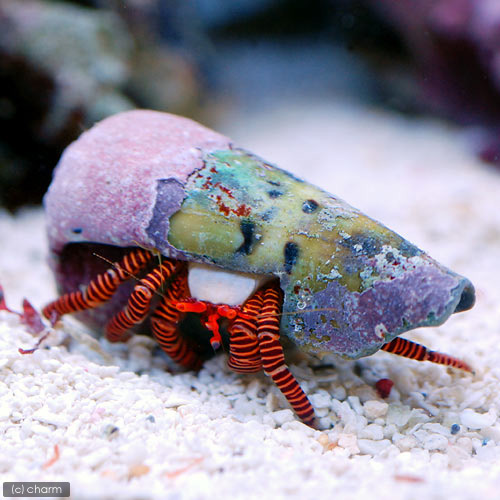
462,299
467,297
360,323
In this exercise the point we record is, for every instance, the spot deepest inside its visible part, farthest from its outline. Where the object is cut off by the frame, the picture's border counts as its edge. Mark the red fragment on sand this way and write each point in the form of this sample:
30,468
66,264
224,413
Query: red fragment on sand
384,386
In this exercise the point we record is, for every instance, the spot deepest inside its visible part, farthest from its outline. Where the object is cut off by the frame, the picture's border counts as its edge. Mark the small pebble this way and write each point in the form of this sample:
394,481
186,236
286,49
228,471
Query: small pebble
282,416
406,443
455,429
474,420
350,443
138,470
370,447
5,411
492,432
321,399
374,409
384,387
339,393
47,417
398,414
435,442
355,404
465,444
110,430
372,431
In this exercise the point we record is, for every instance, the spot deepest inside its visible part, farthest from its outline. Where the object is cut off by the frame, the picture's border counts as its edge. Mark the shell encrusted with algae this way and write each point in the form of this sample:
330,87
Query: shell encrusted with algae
159,181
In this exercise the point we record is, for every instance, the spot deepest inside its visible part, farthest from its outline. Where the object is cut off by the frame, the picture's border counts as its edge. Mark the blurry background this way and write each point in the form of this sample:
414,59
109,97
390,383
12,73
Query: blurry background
66,64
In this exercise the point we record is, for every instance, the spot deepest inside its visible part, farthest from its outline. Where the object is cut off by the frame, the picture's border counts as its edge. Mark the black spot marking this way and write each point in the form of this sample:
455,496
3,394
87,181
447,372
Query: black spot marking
267,215
274,183
309,206
248,230
77,230
274,193
408,249
291,255
370,245
390,258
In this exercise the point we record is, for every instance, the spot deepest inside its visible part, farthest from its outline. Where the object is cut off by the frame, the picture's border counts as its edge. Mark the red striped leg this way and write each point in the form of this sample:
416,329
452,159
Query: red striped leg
412,350
164,324
244,352
137,307
101,288
273,358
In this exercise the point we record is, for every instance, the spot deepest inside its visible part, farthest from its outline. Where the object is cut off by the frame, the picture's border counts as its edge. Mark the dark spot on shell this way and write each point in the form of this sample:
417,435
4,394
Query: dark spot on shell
266,216
389,257
291,252
408,249
77,230
309,206
274,183
274,193
370,245
248,230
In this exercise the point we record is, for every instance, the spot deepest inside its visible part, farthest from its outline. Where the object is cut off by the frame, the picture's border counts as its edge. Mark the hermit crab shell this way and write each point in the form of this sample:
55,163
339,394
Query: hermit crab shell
162,182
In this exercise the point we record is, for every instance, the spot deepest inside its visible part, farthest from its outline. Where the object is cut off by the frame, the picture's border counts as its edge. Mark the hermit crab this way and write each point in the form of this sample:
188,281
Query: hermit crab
157,223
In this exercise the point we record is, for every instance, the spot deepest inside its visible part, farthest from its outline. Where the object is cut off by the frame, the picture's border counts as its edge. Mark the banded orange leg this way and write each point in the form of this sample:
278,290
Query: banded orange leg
165,321
412,350
138,304
261,320
100,289
273,358
244,350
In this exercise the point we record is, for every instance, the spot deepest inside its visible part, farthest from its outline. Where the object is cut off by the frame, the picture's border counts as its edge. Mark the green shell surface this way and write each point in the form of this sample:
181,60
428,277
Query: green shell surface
350,283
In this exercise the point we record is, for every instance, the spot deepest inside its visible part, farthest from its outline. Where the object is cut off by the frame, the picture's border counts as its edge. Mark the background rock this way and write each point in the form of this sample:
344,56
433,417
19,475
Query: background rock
62,68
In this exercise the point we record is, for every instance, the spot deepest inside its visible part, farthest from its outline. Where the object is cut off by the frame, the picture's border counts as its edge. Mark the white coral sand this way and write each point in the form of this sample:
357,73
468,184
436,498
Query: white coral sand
115,423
